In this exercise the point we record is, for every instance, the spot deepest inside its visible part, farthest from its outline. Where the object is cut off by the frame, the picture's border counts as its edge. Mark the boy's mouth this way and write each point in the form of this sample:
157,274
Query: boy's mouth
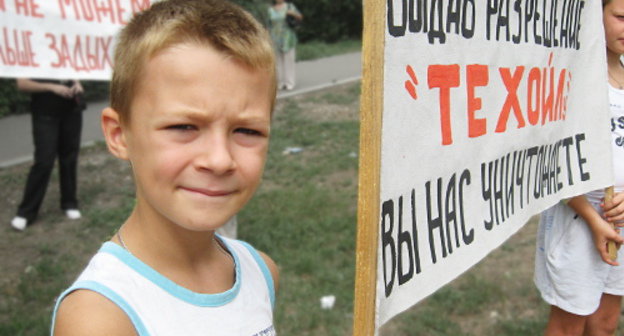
208,192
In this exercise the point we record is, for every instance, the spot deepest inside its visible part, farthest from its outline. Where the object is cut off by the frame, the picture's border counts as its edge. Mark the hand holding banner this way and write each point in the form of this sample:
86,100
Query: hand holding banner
611,246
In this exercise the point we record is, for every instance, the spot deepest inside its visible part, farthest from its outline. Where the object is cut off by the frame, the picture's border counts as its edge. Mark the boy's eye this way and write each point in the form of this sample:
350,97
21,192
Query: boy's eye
247,131
182,127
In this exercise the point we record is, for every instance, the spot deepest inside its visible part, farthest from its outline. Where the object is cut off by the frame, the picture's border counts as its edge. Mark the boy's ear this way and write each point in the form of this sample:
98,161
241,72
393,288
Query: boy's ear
114,134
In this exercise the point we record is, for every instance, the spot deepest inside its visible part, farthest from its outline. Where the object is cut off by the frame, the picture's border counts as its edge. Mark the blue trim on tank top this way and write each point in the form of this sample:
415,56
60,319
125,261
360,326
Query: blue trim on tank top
198,299
265,271
109,294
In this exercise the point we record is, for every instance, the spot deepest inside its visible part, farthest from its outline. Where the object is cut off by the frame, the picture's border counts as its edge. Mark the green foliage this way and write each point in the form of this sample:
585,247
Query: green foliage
258,8
324,20
12,101
330,20
16,102
95,90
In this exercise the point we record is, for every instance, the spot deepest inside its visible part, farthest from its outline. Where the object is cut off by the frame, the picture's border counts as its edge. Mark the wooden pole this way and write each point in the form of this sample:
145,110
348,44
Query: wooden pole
371,106
611,247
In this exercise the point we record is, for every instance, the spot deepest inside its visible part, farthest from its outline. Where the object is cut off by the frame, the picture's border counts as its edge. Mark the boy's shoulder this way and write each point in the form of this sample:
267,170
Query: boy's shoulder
247,246
105,317
270,264
272,268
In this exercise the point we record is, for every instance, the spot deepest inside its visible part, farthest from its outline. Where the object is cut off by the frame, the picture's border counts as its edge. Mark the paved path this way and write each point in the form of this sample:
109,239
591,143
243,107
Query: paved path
15,131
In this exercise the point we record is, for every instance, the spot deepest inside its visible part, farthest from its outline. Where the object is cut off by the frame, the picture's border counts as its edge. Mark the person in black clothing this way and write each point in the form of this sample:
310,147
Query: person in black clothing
56,110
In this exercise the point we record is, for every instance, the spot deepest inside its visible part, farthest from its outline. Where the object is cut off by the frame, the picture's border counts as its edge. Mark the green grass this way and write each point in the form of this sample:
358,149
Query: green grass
521,327
303,216
469,296
314,49
29,303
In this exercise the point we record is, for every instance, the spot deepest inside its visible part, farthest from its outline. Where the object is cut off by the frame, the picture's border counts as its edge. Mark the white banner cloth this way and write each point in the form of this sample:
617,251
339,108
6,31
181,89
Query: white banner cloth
493,111
62,39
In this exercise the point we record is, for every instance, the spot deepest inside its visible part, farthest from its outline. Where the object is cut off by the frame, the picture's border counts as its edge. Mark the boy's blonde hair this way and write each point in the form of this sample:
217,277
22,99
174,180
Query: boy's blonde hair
219,24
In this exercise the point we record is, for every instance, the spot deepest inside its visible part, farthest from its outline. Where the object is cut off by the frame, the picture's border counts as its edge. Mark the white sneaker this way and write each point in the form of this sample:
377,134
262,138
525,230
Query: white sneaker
19,223
73,213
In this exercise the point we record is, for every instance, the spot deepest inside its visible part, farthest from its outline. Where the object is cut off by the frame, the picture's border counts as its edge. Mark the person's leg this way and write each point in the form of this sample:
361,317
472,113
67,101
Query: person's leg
68,149
279,61
604,321
289,69
45,134
562,323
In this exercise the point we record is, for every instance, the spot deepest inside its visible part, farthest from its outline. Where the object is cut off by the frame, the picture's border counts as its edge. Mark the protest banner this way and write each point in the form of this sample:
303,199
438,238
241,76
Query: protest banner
62,38
476,115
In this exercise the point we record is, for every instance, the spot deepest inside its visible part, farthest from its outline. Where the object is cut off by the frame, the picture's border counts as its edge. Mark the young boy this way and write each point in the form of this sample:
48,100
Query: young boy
191,99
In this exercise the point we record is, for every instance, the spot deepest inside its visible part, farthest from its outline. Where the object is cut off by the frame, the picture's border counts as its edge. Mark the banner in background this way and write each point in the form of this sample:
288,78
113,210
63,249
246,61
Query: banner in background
493,111
63,39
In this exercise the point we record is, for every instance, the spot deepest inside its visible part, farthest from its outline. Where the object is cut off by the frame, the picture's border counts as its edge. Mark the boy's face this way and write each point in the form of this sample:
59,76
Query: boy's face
613,19
198,136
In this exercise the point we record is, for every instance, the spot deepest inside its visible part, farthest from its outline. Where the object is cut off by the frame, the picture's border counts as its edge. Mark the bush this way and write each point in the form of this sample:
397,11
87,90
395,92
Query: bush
11,100
16,102
324,20
96,90
258,8
330,20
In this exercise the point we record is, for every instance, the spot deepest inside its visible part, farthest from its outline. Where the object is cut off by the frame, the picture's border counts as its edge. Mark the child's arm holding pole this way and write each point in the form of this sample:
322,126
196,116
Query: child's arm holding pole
602,231
613,210
611,246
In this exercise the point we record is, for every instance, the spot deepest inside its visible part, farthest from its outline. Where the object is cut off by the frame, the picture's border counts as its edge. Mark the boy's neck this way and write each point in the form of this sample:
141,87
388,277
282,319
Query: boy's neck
190,259
613,61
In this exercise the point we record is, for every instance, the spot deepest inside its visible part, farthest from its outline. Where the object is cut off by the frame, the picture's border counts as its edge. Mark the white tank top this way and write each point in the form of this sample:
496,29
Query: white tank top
158,306
616,104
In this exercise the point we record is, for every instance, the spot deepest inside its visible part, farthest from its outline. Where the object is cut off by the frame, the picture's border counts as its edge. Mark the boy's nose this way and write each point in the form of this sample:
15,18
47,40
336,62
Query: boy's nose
214,154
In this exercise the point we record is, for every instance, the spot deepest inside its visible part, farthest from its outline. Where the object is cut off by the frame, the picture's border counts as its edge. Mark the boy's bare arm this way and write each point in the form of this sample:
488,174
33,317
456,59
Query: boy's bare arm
602,232
273,268
85,312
